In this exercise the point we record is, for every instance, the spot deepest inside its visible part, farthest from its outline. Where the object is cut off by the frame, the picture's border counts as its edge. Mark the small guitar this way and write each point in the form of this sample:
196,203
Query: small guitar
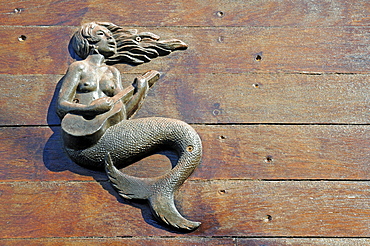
87,130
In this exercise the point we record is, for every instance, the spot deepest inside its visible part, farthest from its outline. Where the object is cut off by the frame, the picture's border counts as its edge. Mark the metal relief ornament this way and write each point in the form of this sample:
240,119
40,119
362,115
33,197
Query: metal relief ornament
96,112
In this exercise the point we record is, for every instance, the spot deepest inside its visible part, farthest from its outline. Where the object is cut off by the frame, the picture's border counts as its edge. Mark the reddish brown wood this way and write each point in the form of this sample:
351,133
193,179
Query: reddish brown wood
226,207
248,62
230,152
189,13
207,98
304,242
25,98
189,241
24,149
261,98
180,241
285,152
41,52
222,50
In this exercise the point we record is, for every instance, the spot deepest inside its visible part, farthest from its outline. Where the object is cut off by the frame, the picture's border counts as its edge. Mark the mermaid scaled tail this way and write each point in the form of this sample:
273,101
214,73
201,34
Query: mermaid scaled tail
159,191
161,199
131,140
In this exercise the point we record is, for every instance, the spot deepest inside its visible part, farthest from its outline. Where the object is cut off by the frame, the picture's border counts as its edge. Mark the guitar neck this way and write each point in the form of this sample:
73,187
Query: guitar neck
124,95
151,76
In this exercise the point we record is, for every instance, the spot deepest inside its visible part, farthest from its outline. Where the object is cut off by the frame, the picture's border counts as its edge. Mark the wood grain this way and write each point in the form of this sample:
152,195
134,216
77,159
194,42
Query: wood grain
277,89
42,52
221,50
181,241
304,242
188,13
189,241
26,100
211,98
230,152
226,207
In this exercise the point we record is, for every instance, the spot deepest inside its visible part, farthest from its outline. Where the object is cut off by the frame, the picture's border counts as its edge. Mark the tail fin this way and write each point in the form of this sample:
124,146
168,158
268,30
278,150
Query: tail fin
128,187
161,199
163,206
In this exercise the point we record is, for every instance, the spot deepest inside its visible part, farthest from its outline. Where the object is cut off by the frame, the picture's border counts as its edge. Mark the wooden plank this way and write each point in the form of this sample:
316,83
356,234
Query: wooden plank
226,207
40,53
304,241
33,154
188,13
26,100
252,63
210,98
230,152
211,50
189,241
284,152
181,241
262,98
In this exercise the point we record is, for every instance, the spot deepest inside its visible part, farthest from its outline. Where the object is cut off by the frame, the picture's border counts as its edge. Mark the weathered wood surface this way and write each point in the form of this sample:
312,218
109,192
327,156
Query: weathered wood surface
202,98
238,208
188,13
185,241
278,90
230,152
221,50
304,242
180,241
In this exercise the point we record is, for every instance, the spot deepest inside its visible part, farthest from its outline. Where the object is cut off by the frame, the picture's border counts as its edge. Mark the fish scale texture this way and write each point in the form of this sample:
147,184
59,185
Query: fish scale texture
132,139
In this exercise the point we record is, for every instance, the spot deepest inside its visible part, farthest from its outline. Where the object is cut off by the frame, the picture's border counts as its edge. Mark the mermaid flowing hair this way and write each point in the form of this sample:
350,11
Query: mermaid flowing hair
133,48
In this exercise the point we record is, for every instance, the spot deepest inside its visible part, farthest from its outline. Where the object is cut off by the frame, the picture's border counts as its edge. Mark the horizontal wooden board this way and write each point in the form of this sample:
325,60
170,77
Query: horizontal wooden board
211,50
225,207
304,242
230,152
26,100
188,13
40,52
150,241
210,98
189,241
277,89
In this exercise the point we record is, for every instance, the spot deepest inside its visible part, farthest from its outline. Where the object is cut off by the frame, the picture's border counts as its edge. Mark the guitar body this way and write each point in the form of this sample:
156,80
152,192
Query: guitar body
80,132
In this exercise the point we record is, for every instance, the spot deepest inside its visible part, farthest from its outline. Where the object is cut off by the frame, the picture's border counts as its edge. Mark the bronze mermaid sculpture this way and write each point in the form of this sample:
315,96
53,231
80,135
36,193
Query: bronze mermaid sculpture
96,112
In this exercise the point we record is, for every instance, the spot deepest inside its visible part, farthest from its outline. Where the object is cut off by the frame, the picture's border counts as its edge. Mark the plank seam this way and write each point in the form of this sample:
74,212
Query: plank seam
195,181
214,73
225,124
196,26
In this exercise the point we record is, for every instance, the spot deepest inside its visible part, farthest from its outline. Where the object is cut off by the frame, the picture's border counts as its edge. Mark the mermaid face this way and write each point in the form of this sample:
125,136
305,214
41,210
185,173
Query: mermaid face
105,42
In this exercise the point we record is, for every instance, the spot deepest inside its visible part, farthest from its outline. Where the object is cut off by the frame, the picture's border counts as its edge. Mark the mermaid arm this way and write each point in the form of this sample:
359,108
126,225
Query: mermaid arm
141,90
141,84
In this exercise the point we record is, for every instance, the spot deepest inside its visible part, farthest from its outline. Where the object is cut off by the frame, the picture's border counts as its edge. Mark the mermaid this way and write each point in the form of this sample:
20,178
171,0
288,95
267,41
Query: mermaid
92,97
